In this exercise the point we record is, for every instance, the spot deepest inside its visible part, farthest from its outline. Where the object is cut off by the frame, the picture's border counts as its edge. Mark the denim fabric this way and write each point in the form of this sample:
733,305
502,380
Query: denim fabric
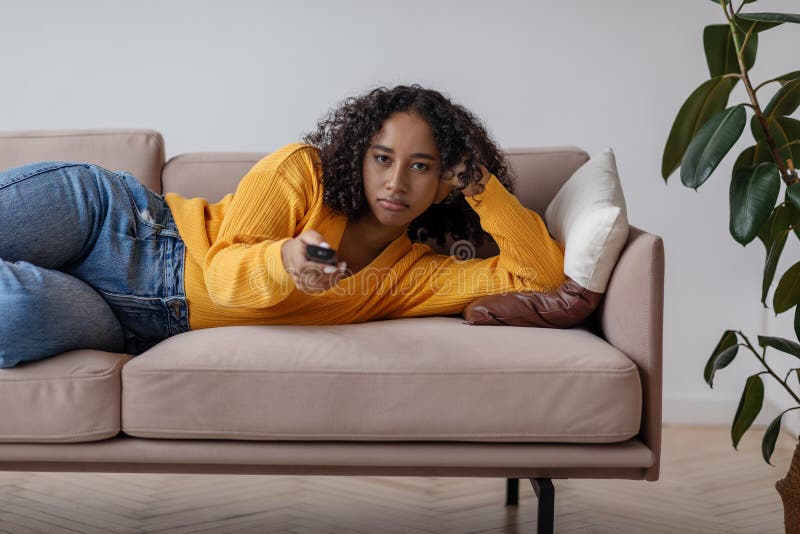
89,258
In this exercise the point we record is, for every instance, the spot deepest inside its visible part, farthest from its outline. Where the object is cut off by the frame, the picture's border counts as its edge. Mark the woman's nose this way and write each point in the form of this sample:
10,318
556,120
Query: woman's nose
396,180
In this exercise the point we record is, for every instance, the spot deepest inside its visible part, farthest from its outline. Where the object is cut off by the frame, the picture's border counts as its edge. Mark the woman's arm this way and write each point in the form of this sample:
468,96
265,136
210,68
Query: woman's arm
243,268
529,260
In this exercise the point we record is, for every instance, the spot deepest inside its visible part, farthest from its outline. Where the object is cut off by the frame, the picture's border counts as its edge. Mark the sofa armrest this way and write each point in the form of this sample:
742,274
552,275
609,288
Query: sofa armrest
631,318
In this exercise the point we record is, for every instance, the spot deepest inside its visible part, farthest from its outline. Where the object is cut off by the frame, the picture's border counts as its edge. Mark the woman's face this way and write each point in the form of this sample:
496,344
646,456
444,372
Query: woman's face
401,170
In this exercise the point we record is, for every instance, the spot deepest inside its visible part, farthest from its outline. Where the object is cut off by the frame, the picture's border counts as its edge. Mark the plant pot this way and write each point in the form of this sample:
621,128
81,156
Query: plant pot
789,490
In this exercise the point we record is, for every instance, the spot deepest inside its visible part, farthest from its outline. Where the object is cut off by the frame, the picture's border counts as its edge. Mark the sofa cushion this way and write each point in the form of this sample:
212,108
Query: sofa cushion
71,397
424,378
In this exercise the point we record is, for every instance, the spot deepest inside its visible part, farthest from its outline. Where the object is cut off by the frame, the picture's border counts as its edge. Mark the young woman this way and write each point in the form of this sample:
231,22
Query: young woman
90,258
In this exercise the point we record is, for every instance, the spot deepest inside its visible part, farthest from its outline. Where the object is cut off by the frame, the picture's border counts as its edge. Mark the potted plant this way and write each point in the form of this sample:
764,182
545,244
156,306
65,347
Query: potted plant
704,131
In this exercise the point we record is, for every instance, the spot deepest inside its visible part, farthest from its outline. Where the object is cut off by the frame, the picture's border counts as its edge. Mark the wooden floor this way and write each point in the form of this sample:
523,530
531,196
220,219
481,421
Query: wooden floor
706,487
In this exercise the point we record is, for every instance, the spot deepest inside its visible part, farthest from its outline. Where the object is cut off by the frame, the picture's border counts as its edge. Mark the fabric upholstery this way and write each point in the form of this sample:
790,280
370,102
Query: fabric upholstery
425,378
137,151
210,175
631,317
70,397
127,454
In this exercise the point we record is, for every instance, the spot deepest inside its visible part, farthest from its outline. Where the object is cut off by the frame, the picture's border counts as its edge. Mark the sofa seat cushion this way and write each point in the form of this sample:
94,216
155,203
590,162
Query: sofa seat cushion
425,378
71,397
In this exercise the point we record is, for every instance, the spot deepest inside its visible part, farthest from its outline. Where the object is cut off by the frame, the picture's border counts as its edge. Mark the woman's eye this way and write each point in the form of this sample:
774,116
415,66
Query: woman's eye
380,160
422,166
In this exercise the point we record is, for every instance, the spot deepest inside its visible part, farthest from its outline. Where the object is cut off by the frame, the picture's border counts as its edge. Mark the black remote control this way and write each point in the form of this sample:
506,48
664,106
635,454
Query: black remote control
321,254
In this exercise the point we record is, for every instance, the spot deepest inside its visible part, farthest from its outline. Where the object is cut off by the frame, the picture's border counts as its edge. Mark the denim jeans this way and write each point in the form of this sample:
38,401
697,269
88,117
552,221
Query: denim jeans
89,259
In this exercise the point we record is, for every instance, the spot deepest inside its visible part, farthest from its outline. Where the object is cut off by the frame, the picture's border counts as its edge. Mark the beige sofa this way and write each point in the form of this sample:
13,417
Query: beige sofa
429,396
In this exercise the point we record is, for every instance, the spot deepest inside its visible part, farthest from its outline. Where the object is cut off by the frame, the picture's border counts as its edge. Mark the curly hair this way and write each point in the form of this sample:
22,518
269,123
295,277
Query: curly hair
343,137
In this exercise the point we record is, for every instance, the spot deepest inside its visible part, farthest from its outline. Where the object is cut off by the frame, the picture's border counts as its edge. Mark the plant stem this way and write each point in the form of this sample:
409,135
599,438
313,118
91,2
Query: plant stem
788,178
769,369
790,143
786,378
762,84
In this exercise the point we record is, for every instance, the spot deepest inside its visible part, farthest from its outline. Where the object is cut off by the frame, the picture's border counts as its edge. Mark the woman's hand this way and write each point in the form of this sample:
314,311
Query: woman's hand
447,185
309,276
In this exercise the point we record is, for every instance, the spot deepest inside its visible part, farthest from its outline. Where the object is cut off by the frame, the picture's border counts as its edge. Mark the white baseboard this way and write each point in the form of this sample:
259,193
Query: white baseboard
686,411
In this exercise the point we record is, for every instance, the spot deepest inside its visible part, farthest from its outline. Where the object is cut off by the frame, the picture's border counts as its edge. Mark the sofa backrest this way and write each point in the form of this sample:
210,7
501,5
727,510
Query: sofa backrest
138,151
540,171
212,175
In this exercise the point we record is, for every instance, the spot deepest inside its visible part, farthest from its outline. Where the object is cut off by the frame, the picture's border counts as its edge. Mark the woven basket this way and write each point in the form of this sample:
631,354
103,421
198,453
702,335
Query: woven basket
789,489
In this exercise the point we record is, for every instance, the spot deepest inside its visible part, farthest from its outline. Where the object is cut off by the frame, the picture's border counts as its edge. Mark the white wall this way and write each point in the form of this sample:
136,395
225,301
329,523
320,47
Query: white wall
247,75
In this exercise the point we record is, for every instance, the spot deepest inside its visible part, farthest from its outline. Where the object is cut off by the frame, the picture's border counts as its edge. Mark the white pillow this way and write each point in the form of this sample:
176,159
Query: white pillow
588,216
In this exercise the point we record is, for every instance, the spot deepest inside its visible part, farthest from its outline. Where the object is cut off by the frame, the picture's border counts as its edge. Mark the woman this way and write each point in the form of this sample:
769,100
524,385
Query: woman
90,258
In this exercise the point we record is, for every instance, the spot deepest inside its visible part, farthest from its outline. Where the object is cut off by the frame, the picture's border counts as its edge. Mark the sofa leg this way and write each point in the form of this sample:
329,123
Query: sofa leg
512,491
546,494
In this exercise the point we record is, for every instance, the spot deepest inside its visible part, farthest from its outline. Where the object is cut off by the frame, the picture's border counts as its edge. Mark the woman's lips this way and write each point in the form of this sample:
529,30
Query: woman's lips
389,205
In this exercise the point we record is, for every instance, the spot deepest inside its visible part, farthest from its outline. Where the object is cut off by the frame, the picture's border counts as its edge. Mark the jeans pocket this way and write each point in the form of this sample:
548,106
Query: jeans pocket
145,320
149,208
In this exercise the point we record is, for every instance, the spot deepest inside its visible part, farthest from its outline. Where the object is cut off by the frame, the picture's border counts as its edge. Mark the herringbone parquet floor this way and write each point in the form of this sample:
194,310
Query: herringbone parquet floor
706,487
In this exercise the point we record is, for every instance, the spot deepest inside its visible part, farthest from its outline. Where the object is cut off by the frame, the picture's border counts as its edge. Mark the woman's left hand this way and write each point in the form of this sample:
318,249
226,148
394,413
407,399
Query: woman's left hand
447,185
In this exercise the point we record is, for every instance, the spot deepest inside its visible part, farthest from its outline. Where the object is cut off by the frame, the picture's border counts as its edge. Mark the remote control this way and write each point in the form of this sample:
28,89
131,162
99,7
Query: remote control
321,254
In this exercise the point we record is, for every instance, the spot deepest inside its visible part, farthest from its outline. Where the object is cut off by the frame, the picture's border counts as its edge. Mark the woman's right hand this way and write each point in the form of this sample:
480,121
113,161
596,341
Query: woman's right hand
450,182
309,276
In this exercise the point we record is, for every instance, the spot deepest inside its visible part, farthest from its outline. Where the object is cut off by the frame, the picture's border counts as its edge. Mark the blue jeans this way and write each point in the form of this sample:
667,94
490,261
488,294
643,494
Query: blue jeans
89,259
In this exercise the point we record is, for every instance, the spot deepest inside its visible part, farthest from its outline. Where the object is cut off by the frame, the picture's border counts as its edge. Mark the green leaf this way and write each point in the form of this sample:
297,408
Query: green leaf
706,100
765,234
785,101
770,264
753,26
722,356
752,198
749,406
797,331
781,344
774,239
720,361
752,156
783,130
770,437
721,50
710,144
771,17
789,76
794,214
793,194
787,294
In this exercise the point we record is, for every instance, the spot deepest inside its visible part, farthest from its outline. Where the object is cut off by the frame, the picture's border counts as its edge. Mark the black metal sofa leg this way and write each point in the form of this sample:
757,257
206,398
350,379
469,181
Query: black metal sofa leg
512,491
543,487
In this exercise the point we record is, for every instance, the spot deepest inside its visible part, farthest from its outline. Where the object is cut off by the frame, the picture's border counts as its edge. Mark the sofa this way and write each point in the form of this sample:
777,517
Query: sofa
424,396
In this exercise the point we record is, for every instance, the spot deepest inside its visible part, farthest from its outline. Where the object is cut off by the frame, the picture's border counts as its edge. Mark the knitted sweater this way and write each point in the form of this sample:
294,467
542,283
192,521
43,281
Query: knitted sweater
234,273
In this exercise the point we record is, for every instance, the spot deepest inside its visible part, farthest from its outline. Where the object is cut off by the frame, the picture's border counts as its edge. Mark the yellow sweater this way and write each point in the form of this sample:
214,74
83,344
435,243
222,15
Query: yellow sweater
234,273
